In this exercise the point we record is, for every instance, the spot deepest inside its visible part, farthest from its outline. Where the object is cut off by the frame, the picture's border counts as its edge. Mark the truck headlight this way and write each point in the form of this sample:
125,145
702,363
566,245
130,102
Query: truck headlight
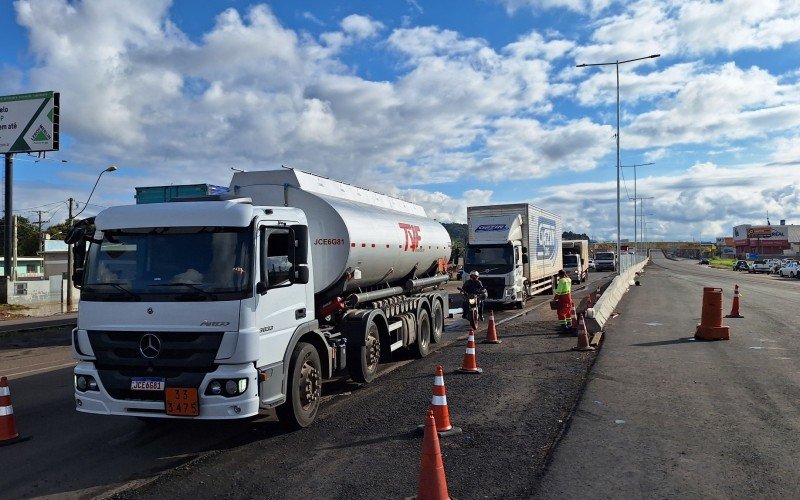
509,292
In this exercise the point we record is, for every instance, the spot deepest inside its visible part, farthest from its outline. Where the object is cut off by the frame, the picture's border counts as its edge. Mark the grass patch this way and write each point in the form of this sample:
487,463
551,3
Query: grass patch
722,262
13,307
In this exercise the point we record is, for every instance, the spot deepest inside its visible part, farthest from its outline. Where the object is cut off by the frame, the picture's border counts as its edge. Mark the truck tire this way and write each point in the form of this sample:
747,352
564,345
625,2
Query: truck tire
422,346
362,360
437,321
303,388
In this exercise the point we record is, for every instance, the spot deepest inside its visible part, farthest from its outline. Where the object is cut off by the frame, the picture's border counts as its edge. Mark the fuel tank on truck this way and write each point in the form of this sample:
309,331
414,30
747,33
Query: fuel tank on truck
373,237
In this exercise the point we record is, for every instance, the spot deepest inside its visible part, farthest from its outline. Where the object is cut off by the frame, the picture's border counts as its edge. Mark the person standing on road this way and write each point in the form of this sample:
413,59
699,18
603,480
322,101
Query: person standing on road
564,298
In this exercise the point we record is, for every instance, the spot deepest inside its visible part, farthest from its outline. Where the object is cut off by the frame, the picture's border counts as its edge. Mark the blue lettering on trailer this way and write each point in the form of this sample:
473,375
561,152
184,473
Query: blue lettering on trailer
491,227
546,248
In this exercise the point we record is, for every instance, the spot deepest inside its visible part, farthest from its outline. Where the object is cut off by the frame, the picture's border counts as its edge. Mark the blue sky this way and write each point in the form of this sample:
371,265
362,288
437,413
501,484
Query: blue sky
443,106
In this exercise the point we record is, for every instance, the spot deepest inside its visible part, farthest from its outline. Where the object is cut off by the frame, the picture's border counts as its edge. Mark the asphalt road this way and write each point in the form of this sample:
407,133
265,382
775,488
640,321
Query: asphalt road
81,456
665,416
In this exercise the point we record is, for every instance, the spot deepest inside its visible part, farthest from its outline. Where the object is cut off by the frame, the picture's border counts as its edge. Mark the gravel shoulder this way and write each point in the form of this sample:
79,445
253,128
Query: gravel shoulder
364,446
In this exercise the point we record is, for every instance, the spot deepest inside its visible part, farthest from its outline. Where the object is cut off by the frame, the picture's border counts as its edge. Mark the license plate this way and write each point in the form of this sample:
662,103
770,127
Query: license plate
182,402
147,384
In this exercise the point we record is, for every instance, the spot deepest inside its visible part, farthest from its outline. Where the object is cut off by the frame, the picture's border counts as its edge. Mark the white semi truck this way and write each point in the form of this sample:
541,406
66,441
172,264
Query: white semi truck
216,307
576,259
516,248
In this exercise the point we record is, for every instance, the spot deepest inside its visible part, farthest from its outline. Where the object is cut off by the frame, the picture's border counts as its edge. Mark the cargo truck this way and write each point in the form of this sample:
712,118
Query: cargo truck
516,248
605,261
576,259
219,306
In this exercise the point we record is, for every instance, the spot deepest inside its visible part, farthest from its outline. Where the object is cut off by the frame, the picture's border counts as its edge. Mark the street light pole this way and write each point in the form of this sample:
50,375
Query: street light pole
635,220
70,260
617,63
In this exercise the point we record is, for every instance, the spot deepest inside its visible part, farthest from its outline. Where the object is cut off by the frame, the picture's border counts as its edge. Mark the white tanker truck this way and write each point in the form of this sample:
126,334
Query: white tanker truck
217,307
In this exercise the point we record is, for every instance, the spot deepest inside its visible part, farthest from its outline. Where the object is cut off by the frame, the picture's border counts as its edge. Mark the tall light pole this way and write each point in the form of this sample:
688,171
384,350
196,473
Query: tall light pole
70,263
635,220
617,63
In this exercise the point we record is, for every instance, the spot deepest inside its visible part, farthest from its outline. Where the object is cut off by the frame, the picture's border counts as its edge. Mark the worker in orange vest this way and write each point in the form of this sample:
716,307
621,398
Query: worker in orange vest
564,298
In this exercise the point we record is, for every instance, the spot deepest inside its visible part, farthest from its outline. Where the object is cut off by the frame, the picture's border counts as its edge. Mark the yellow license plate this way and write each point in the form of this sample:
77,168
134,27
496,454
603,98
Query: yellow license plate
181,402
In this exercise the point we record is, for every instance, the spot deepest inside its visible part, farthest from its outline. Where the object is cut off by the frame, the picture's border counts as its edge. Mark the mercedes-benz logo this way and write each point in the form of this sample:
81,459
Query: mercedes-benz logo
150,345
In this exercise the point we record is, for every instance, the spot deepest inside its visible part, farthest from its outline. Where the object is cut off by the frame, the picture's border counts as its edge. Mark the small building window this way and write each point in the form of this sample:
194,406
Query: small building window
32,268
21,289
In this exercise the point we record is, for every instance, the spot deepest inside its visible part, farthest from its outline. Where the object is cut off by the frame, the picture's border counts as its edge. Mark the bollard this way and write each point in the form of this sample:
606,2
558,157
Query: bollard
710,326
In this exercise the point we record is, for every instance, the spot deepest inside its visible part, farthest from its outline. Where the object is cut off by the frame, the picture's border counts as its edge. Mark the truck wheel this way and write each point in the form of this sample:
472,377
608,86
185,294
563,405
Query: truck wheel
422,346
437,322
303,389
362,361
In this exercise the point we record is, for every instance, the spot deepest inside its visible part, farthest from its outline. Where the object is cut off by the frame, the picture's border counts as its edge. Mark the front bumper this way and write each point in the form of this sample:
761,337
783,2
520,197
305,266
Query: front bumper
211,407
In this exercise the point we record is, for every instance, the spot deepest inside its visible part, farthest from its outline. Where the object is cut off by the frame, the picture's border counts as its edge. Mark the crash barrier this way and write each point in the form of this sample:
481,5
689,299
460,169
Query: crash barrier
441,412
491,331
735,306
470,364
8,427
432,483
597,316
710,326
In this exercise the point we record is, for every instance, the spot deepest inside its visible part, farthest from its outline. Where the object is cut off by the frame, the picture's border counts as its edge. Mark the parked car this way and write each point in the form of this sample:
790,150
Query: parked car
591,264
741,265
759,266
791,270
703,261
774,265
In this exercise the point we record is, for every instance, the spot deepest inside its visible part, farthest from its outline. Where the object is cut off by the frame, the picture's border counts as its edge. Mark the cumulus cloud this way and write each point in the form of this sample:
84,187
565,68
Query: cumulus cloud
582,6
360,27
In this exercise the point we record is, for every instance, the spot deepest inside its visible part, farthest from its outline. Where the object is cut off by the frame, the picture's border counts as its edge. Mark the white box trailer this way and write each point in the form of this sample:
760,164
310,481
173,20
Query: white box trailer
516,248
218,306
576,259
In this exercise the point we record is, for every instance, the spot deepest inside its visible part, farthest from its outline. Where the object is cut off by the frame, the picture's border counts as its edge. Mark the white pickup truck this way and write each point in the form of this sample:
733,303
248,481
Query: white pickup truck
760,266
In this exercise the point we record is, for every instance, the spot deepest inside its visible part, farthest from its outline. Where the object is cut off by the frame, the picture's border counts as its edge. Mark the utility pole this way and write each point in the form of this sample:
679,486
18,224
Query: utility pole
41,234
9,227
69,261
14,252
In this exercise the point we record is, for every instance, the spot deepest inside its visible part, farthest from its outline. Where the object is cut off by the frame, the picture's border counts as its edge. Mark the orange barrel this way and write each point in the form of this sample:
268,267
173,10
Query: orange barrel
712,307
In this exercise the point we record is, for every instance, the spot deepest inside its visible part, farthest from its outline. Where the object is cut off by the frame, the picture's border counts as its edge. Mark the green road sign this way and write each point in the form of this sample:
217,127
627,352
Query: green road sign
29,122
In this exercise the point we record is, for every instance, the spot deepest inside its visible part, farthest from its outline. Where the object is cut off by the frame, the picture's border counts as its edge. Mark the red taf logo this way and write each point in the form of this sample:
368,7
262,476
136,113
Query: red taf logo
412,236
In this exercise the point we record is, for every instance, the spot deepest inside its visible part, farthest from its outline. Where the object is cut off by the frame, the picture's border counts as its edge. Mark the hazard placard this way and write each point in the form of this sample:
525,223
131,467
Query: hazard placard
29,123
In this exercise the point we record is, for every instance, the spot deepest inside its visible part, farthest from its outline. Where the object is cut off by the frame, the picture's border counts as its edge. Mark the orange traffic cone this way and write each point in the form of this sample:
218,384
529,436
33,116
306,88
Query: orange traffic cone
470,364
439,407
735,308
8,429
432,483
491,331
583,337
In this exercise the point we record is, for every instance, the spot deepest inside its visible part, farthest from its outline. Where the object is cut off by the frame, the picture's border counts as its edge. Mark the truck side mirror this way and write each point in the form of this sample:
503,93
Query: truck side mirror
261,288
79,258
524,258
301,275
524,250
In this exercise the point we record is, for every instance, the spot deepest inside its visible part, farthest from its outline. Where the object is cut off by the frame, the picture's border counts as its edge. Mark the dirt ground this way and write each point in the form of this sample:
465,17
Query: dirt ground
364,445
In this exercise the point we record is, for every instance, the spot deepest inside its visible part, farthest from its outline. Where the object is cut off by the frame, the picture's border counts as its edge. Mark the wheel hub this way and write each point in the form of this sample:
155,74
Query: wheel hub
310,386
373,350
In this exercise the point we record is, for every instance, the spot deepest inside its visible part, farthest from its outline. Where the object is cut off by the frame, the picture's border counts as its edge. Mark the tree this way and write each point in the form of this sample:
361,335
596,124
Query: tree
27,237
58,231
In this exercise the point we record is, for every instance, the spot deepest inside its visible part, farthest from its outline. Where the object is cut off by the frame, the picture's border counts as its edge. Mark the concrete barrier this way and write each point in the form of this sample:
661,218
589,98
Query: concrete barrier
597,316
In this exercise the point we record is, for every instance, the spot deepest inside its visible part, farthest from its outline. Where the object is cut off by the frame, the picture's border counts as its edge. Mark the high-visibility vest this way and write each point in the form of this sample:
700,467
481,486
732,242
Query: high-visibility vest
564,286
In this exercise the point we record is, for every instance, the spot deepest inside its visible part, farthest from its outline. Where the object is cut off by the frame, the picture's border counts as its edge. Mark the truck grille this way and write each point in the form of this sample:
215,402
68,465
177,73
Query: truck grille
183,360
494,287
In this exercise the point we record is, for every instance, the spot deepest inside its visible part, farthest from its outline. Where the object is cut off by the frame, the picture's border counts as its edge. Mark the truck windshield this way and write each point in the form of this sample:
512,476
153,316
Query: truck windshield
570,261
497,259
169,264
604,256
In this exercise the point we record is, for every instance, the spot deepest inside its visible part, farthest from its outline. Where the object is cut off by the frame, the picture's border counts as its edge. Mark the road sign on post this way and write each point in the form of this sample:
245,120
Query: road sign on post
29,123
